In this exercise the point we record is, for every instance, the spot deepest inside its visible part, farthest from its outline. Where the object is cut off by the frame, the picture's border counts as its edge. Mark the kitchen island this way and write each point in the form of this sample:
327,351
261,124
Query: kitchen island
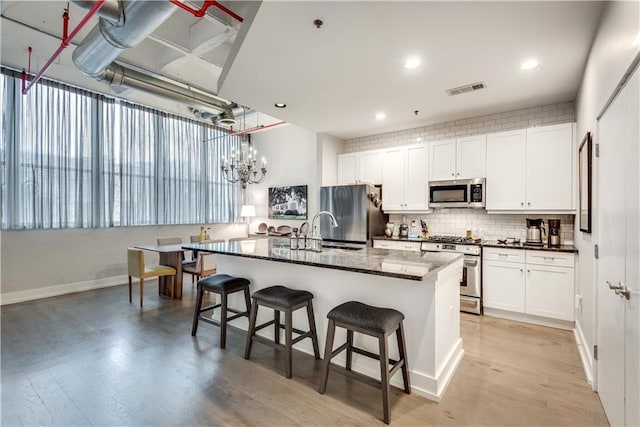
423,286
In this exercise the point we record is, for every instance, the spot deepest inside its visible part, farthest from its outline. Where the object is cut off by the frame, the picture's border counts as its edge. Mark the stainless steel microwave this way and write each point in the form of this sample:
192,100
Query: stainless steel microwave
459,193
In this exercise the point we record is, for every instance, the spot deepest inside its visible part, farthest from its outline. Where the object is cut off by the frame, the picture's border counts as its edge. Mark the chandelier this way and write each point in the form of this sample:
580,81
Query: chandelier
244,167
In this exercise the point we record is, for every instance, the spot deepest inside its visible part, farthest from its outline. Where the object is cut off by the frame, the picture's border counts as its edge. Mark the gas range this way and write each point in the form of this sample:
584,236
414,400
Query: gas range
457,244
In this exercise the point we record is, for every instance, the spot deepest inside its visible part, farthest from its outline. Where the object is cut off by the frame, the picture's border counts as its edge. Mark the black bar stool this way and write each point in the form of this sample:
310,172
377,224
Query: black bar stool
281,298
373,321
223,285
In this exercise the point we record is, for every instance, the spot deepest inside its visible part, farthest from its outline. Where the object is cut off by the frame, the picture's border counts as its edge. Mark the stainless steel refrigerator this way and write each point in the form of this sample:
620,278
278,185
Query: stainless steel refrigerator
358,209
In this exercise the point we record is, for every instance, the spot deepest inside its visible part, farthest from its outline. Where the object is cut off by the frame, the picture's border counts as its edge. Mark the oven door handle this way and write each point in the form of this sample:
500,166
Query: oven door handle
470,262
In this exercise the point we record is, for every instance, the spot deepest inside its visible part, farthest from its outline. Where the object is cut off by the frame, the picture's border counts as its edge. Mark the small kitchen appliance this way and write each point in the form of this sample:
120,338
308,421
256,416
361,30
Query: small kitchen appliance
404,231
459,193
554,232
471,280
535,232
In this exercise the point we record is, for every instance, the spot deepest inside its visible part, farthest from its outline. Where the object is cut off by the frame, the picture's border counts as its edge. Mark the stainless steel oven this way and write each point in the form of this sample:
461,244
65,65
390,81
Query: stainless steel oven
471,280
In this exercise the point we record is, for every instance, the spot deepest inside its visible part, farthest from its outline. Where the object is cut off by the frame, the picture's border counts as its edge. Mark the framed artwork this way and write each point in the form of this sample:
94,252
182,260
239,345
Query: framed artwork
584,182
289,202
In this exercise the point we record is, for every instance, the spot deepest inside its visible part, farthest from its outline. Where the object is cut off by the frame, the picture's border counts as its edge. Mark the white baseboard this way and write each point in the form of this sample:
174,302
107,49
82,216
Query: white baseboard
67,288
528,318
585,354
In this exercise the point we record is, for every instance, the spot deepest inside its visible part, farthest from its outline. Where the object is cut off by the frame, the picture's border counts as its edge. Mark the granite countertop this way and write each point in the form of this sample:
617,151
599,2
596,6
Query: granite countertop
493,244
561,248
382,262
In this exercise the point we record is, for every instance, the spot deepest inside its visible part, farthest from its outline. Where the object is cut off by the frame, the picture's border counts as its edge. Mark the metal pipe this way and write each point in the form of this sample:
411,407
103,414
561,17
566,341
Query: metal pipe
110,10
120,76
65,42
199,13
107,41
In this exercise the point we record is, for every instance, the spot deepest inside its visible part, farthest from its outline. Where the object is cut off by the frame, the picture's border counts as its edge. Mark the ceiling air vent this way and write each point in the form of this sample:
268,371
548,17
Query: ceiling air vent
466,88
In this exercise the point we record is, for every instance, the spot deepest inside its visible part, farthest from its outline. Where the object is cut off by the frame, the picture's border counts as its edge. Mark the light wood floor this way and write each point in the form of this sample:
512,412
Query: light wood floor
91,358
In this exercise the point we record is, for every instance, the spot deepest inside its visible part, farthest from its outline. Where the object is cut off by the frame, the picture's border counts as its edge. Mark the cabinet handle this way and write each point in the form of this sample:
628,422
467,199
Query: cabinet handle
529,204
457,173
528,271
548,258
503,254
451,174
521,270
521,203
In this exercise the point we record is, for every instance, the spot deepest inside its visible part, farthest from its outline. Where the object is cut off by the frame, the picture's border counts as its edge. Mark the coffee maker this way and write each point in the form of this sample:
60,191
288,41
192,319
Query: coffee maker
535,231
554,232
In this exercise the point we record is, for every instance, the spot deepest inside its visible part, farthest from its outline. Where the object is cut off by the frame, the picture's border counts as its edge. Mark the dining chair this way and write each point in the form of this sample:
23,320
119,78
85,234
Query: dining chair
137,268
204,266
175,241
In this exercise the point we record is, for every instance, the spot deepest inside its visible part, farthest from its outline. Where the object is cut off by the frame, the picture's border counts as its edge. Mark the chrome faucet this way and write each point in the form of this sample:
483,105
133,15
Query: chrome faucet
316,238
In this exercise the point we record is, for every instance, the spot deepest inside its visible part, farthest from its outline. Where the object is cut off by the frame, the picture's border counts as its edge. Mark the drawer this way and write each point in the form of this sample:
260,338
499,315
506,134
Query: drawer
559,259
499,254
397,245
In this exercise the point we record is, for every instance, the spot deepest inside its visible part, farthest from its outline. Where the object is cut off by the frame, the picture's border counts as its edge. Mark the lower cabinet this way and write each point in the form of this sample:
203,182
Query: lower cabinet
397,245
530,283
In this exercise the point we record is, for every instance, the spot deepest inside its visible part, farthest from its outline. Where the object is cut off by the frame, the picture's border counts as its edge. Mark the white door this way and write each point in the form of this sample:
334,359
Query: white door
417,179
549,160
393,179
471,157
506,157
347,168
370,167
618,183
443,159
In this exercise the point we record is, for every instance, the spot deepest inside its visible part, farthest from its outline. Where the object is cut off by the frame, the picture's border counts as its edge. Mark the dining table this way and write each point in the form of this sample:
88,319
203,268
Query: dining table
170,255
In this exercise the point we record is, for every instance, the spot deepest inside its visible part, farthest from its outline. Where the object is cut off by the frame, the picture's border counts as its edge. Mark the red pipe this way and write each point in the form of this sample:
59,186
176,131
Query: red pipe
257,128
199,13
65,42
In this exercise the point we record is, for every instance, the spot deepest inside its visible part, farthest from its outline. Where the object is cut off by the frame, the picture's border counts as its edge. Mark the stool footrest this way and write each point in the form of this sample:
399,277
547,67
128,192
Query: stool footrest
210,307
337,351
356,375
396,366
302,336
264,325
371,355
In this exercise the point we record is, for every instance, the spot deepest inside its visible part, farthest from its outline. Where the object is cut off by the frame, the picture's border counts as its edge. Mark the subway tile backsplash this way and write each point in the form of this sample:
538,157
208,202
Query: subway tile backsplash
456,222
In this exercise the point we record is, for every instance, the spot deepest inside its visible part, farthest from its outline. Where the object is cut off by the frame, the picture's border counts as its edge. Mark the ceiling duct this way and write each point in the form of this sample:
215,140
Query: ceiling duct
109,38
111,10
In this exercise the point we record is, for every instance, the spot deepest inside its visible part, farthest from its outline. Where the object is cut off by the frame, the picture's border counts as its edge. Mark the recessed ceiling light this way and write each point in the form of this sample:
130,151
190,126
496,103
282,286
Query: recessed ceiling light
280,105
413,62
529,64
380,116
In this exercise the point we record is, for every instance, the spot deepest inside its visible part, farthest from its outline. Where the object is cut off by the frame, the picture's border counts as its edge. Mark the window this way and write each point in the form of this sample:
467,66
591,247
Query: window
72,158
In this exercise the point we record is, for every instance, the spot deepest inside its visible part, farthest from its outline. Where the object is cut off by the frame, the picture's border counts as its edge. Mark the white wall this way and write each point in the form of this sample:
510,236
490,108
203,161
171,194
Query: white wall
611,54
292,159
43,263
328,149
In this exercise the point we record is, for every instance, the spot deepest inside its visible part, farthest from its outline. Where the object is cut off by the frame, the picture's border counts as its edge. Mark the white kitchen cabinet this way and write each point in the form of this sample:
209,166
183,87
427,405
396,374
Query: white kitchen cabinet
530,169
549,292
506,177
549,167
461,158
365,167
504,285
397,245
538,285
405,178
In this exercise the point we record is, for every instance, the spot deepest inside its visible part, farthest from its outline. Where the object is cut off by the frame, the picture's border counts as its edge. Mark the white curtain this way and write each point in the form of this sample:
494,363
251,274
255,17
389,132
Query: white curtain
72,158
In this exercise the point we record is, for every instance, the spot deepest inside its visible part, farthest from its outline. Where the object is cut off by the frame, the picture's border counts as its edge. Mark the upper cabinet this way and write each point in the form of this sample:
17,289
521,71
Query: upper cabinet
363,167
405,178
530,169
460,158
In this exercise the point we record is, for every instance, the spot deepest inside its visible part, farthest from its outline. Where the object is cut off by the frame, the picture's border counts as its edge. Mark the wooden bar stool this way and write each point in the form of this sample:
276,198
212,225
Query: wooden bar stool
223,285
281,298
373,321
